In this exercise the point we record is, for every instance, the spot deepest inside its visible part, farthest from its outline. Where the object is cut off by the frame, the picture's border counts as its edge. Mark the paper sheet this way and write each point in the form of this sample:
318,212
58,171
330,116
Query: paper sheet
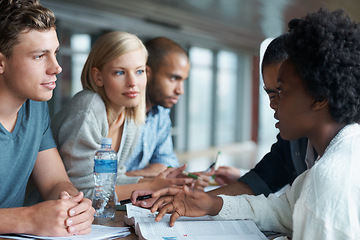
210,230
98,232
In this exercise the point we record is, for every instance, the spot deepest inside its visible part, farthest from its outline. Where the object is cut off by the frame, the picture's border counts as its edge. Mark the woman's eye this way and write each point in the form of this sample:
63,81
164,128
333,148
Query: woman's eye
120,73
141,71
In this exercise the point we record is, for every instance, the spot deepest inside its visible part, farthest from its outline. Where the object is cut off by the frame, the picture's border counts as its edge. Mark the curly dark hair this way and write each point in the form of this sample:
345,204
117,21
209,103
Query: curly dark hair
325,48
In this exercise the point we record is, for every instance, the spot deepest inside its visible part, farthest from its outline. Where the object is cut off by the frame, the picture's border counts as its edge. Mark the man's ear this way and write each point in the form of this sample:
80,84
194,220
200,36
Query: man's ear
2,63
319,104
96,74
148,73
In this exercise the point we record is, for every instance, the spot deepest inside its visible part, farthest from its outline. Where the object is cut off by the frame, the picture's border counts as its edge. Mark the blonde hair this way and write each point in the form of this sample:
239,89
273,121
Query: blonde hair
108,47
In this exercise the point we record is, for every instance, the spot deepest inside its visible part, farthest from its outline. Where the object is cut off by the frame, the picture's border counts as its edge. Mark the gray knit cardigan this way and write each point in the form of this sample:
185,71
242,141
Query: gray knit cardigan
78,128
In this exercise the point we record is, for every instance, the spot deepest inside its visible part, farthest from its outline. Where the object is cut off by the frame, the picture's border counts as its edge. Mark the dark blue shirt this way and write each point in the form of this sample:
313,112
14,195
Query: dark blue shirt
279,167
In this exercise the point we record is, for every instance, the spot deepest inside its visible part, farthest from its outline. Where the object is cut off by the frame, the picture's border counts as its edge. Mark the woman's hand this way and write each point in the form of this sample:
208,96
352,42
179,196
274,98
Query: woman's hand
225,175
184,202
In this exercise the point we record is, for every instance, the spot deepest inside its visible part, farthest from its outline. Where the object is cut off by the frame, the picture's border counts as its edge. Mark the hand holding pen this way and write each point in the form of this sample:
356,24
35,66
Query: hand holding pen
227,175
213,168
200,180
215,164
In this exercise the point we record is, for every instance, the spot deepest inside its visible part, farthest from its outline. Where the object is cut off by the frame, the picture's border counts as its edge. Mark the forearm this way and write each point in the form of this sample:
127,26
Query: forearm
124,191
217,203
150,171
60,187
14,220
50,177
232,189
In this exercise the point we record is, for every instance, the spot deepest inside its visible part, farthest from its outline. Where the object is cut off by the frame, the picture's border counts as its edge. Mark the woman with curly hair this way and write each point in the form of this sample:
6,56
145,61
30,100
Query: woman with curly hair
319,91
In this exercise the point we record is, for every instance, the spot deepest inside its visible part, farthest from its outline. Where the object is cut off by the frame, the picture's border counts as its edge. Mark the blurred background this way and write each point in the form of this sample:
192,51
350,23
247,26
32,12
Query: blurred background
224,107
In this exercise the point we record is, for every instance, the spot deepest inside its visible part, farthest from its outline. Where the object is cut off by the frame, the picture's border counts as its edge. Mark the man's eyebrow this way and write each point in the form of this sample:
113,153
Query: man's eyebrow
44,50
174,75
40,51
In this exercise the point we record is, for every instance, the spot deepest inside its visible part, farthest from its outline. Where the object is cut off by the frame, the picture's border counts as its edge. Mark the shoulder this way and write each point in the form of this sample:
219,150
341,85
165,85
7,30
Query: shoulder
163,111
158,110
84,102
158,119
160,114
85,108
32,106
37,111
337,165
87,99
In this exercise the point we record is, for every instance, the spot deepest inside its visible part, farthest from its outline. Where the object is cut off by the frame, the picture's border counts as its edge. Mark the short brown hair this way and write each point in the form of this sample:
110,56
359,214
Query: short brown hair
18,16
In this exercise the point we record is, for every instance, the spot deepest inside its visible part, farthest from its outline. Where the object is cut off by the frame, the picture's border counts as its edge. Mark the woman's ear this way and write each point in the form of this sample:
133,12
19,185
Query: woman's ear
96,74
319,104
2,63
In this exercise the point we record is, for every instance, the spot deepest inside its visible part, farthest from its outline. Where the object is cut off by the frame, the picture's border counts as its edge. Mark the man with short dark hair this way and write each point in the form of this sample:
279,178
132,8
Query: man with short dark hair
28,69
167,67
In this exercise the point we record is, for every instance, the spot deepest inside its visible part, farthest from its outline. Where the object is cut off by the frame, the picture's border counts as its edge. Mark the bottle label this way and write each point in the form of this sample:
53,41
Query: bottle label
105,166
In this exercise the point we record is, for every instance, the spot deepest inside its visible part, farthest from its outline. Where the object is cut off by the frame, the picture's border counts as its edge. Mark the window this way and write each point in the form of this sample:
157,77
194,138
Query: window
80,46
267,131
226,101
210,112
200,97
72,56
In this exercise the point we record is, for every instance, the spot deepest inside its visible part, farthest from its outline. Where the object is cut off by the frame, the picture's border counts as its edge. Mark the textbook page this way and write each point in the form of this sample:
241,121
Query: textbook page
136,215
197,227
199,230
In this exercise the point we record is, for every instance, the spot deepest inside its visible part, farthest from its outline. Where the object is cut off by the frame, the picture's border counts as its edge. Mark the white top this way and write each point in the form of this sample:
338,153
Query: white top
322,203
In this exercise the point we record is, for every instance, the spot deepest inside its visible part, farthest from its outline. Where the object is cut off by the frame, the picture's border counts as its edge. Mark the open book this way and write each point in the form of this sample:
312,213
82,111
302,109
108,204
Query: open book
189,227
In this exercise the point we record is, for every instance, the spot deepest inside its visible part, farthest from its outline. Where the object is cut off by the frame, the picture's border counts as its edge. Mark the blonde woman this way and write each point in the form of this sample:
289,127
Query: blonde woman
111,104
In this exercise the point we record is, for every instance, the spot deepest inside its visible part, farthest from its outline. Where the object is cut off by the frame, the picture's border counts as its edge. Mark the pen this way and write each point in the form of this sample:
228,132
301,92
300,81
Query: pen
194,176
139,198
215,164
208,170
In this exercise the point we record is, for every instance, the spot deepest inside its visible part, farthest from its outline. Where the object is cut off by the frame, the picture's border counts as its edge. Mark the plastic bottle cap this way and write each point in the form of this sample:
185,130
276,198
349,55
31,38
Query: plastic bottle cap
107,141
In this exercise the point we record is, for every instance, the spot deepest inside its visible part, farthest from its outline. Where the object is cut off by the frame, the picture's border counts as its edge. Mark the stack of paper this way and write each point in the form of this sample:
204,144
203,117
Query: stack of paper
98,232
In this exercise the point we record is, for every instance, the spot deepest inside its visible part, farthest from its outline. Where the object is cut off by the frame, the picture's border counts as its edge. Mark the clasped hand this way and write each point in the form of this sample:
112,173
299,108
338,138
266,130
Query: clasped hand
63,217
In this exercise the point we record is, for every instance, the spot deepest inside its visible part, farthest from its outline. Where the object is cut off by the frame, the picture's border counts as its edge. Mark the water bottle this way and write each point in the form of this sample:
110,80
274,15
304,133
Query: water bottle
105,171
